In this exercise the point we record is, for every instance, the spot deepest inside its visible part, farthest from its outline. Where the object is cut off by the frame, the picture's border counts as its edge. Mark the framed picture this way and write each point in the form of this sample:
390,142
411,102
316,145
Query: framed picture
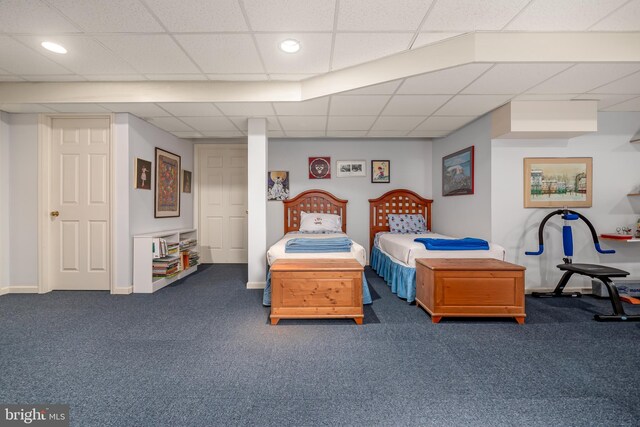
167,188
558,182
345,168
142,172
380,171
319,167
278,185
457,173
186,181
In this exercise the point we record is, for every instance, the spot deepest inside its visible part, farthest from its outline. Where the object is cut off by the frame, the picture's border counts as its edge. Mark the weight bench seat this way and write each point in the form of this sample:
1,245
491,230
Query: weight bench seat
594,271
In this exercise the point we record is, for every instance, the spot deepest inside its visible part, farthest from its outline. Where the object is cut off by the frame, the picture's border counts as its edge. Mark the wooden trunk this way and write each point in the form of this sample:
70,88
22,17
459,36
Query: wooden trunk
474,287
316,289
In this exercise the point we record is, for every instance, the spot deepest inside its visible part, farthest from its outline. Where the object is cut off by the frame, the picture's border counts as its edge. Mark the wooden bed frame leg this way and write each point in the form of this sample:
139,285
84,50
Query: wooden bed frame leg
358,320
436,319
520,320
275,320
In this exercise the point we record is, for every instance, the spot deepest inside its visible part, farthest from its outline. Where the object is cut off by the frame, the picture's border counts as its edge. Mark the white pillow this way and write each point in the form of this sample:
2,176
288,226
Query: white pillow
320,222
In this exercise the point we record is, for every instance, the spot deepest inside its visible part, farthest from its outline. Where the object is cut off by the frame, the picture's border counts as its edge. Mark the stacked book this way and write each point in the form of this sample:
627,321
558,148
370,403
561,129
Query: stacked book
165,267
188,244
193,258
173,248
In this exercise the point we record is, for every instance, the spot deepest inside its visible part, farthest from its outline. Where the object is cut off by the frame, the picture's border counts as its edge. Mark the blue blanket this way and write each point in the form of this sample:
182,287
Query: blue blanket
307,245
466,244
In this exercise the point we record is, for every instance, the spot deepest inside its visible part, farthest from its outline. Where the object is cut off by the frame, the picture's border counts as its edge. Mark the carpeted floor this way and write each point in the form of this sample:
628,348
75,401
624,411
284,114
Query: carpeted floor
201,353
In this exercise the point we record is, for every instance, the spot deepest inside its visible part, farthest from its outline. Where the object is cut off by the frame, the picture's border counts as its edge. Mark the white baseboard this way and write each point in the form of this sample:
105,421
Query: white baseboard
256,285
19,289
122,291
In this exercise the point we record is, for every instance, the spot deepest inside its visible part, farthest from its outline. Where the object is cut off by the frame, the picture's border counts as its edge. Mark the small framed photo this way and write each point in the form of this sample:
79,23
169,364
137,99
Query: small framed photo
167,186
186,181
143,174
380,171
558,182
346,168
278,185
457,173
319,167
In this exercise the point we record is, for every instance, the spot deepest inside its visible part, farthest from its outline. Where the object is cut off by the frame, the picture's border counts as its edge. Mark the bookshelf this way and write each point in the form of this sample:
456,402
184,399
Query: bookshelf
161,258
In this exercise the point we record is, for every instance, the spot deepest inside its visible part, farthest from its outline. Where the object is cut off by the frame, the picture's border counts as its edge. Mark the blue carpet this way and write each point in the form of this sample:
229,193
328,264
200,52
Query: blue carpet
200,353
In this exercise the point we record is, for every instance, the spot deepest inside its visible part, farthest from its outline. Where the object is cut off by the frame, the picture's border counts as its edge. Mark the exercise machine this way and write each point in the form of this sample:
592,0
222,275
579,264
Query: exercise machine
595,271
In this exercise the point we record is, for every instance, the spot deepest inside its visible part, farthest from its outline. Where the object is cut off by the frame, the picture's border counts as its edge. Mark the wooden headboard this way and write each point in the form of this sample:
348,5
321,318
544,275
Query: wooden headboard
395,202
314,201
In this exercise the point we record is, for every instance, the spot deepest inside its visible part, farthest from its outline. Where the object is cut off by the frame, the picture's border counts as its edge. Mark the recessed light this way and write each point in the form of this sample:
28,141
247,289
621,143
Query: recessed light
290,46
54,47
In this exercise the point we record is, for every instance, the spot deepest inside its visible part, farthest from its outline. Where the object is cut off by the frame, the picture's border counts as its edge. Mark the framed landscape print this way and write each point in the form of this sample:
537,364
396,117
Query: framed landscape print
186,181
143,174
380,171
319,167
346,168
167,188
278,185
558,182
457,172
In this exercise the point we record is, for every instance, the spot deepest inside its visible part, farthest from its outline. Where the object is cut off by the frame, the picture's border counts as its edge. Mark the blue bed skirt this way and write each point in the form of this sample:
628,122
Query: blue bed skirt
401,279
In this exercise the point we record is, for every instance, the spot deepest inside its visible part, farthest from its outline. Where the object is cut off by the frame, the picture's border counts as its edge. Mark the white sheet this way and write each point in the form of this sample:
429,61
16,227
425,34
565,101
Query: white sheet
277,250
404,249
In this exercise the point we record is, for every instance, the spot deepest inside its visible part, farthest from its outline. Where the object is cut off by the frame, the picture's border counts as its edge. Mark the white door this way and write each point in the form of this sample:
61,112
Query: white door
223,204
79,204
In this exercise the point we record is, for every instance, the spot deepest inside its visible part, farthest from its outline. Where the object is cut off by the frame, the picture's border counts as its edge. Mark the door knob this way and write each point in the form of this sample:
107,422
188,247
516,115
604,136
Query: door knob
55,213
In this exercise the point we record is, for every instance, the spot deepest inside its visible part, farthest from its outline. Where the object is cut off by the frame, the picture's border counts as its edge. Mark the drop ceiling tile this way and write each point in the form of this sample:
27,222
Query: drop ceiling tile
350,122
113,16
546,97
403,123
239,77
114,77
306,134
627,18
444,123
357,48
10,78
19,59
190,109
426,38
247,109
140,109
630,105
387,134
449,81
347,134
381,15
313,57
472,15
25,108
387,88
357,105
302,123
77,108
472,105
411,105
150,54
286,15
606,100
176,77
242,123
513,78
584,77
554,15
199,16
223,134
187,134
54,78
33,17
209,124
291,77
170,124
313,107
625,86
429,133
222,53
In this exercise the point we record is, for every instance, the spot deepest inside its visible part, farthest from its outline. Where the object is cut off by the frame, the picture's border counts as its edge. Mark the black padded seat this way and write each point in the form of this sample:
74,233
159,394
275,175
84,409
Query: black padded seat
593,270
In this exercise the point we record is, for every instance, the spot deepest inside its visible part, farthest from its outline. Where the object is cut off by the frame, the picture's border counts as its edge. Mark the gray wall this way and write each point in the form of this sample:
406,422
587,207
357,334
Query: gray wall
410,168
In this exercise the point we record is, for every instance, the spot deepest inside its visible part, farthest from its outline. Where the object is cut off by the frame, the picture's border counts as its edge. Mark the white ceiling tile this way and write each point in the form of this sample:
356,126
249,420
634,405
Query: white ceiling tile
247,109
554,15
302,123
312,58
381,89
53,78
192,109
114,77
291,77
584,77
429,133
357,48
357,105
19,59
405,123
33,17
209,124
472,105
187,134
170,124
176,77
199,16
10,78
313,107
287,15
113,16
152,54
472,15
444,123
347,134
606,100
424,38
223,134
546,97
140,109
77,108
513,78
449,81
25,108
411,105
222,53
627,18
381,15
624,86
387,133
306,134
242,123
239,77
350,122
630,105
